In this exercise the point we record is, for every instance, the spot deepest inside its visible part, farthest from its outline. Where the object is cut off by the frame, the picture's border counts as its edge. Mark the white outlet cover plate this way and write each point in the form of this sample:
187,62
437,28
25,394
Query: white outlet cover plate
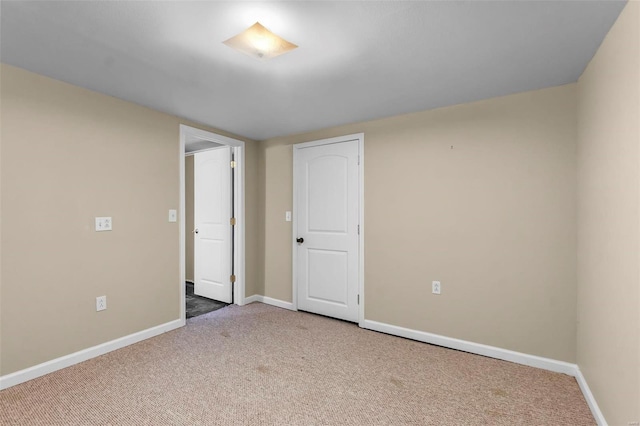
436,287
173,215
101,303
104,224
287,216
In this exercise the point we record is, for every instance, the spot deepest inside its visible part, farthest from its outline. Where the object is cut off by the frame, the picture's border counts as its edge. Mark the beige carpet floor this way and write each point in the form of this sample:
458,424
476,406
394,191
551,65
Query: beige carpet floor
261,365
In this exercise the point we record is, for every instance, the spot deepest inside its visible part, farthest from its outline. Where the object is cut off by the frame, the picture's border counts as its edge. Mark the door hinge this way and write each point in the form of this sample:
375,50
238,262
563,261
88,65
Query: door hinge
358,160
233,221
233,164
233,278
358,229
358,299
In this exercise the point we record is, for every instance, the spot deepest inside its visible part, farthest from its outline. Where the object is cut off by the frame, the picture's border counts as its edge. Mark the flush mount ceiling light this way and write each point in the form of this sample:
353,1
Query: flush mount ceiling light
260,43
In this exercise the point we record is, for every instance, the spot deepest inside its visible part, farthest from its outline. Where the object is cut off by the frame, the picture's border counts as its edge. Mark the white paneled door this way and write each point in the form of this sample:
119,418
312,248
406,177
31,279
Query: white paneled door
213,233
327,214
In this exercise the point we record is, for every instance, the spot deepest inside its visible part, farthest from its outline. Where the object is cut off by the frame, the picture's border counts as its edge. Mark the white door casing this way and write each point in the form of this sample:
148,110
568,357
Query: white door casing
213,233
327,213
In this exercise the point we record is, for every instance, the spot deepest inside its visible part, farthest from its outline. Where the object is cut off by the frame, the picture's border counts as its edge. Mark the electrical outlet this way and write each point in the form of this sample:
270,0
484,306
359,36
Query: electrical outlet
435,287
101,303
104,224
173,215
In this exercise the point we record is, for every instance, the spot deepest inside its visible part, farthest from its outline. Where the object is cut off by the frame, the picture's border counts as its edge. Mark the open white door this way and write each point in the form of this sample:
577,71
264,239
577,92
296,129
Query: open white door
327,214
213,233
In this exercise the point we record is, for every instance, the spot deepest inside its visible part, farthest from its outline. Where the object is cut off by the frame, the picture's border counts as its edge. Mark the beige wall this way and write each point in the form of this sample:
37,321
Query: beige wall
277,180
479,196
608,343
68,155
253,257
188,200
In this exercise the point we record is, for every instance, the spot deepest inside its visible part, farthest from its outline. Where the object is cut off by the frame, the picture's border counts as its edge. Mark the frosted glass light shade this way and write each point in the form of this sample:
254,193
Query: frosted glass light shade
260,43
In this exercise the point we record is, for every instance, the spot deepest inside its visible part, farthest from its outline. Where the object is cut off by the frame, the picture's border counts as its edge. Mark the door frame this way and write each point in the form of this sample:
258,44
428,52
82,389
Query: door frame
294,226
239,234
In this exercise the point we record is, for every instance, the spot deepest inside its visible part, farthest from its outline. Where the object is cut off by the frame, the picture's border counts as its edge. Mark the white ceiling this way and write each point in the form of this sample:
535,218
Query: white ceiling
356,61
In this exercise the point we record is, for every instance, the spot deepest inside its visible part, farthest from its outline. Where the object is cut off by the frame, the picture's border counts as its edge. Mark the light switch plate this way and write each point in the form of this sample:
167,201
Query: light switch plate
287,216
173,215
104,224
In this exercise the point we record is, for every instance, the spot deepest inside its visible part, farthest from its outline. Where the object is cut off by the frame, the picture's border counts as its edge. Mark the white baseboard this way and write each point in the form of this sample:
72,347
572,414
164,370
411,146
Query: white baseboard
591,401
269,301
251,299
30,373
474,348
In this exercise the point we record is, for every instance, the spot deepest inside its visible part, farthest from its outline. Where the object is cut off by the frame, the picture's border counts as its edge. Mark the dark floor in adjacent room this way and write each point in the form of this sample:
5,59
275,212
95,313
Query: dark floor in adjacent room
198,305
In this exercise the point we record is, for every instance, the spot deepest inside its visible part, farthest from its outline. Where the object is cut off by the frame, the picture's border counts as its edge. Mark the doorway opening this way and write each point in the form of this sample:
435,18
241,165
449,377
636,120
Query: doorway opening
218,240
